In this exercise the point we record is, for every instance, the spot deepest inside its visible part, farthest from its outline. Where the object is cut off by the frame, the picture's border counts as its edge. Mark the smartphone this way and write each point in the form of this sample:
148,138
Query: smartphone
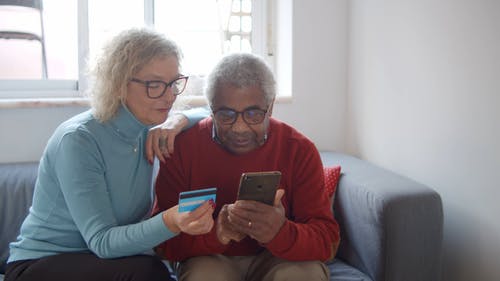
259,186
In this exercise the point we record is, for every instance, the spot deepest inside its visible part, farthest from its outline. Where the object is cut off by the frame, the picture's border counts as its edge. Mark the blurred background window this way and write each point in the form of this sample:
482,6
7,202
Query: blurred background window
67,36
38,39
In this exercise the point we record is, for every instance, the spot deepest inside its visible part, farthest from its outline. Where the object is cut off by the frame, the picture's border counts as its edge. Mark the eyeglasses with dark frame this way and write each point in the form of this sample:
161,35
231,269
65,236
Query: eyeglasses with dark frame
156,88
251,116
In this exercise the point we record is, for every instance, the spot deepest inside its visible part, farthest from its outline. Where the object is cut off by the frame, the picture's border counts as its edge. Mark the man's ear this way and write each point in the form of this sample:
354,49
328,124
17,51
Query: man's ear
270,110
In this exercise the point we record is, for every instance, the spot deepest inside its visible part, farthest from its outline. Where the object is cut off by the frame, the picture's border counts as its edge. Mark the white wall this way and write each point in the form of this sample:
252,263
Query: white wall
319,58
25,131
316,31
424,101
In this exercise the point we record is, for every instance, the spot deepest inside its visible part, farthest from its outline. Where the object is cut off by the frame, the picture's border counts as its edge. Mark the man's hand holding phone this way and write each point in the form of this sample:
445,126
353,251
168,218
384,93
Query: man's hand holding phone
258,220
257,212
224,229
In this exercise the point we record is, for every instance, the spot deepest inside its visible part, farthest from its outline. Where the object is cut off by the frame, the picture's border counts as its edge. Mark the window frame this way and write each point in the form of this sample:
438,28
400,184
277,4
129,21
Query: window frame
51,92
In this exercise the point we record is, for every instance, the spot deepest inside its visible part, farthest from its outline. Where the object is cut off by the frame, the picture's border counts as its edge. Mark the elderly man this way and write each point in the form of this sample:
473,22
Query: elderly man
251,240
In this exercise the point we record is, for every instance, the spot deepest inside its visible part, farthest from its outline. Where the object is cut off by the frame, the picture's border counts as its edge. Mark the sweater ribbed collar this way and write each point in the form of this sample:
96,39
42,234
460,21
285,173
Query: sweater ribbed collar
126,125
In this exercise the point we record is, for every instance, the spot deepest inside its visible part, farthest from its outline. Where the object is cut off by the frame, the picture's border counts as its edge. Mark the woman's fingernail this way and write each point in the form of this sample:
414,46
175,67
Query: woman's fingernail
212,203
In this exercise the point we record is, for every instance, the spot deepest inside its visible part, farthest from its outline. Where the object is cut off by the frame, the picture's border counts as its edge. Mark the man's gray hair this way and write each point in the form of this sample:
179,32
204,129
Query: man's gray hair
124,56
241,70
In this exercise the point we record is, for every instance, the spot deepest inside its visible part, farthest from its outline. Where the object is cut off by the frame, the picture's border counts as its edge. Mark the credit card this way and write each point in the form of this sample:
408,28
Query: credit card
190,200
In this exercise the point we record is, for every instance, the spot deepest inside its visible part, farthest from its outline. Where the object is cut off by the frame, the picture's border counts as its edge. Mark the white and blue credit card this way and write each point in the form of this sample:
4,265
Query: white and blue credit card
190,200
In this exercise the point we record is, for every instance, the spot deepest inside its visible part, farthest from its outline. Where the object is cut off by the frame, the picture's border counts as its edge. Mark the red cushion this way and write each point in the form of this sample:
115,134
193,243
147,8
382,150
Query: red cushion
332,176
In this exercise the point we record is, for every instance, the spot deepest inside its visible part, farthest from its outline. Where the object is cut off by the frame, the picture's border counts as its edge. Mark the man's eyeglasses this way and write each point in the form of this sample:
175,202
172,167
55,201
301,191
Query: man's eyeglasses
157,88
251,116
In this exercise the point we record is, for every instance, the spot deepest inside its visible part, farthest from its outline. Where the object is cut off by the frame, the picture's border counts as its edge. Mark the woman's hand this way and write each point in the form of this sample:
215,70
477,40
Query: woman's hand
199,221
160,140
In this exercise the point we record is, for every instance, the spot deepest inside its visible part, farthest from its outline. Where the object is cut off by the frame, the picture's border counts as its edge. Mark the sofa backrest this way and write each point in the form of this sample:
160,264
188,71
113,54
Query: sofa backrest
17,183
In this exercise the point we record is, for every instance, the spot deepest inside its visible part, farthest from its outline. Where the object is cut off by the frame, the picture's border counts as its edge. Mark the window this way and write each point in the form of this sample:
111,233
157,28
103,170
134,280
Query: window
74,31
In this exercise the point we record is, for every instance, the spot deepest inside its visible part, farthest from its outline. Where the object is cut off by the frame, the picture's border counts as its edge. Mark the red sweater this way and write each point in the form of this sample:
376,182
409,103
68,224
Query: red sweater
310,233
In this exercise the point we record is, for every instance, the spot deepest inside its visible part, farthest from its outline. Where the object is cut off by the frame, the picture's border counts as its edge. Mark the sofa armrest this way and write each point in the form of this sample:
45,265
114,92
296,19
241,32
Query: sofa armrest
391,226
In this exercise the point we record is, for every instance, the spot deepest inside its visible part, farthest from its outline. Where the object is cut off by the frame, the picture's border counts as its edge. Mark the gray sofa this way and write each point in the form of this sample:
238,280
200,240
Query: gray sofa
391,226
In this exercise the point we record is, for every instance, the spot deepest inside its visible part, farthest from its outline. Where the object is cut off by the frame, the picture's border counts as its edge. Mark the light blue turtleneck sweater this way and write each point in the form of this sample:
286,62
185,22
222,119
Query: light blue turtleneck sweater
94,192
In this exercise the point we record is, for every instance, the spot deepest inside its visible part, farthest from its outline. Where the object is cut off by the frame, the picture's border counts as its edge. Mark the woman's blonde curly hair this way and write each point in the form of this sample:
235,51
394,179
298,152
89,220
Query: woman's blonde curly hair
122,58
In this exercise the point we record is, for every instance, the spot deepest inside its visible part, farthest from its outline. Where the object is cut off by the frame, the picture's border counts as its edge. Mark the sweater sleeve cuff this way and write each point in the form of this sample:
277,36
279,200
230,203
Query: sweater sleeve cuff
283,240
195,115
161,230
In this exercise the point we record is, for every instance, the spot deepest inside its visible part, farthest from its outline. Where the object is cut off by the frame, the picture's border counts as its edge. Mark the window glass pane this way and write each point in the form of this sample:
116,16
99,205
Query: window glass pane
205,31
108,18
23,59
235,43
236,6
234,24
20,59
246,24
246,46
246,6
194,25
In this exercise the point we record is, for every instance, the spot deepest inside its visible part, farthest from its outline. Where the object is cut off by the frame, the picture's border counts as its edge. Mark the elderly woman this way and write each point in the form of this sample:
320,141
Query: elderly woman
90,214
